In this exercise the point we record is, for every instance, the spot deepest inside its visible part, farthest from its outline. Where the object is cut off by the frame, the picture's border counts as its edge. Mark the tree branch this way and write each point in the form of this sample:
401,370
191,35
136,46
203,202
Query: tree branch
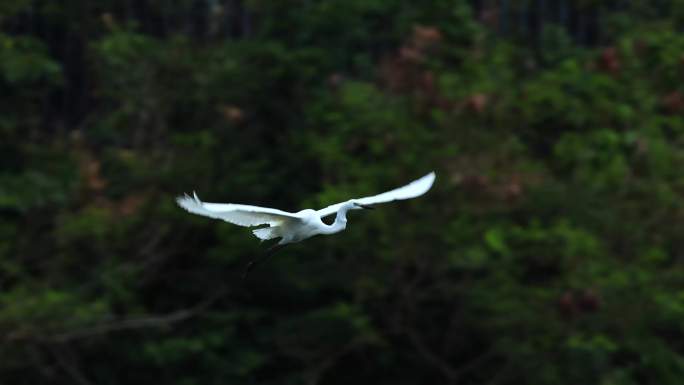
120,325
138,323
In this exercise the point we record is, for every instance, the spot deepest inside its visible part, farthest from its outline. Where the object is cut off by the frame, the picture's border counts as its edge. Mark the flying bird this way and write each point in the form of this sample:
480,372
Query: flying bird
296,227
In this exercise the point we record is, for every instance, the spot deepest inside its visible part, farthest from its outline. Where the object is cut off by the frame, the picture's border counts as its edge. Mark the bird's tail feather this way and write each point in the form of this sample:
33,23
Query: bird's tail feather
265,233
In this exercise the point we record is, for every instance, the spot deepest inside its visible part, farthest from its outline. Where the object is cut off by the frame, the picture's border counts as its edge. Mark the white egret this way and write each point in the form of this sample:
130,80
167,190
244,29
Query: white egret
296,227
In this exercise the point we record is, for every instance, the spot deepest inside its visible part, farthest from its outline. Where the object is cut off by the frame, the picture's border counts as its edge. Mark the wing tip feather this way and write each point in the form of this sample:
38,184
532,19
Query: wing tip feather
189,203
426,181
431,176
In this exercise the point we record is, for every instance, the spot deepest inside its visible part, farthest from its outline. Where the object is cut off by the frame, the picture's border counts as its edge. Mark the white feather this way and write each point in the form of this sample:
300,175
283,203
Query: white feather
295,227
414,189
241,215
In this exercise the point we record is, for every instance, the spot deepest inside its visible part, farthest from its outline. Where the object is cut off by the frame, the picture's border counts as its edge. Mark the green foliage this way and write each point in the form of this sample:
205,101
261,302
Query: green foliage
24,60
548,252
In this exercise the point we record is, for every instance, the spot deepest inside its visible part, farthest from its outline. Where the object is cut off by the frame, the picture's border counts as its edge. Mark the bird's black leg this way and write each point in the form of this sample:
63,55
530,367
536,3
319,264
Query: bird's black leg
271,250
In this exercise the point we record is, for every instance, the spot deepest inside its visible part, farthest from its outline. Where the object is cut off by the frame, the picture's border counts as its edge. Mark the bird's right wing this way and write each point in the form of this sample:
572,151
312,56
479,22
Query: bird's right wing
414,189
241,215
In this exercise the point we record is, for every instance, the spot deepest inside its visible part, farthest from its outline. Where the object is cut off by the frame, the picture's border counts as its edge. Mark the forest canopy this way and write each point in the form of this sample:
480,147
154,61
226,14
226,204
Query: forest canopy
549,250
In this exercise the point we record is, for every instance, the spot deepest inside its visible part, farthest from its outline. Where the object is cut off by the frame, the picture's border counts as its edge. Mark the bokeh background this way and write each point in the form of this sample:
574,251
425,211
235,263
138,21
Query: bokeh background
550,250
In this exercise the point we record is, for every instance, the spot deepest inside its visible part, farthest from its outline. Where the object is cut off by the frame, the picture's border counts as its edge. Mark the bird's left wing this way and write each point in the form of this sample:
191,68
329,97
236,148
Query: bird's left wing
241,215
414,189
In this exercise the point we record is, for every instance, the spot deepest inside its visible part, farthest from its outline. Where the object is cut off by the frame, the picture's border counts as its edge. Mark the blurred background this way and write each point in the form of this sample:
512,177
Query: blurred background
549,251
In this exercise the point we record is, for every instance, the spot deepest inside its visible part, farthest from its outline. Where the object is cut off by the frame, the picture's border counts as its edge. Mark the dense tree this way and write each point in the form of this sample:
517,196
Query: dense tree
548,252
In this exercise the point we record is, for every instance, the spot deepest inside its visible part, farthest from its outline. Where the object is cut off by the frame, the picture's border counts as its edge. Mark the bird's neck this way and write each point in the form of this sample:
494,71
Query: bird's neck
340,219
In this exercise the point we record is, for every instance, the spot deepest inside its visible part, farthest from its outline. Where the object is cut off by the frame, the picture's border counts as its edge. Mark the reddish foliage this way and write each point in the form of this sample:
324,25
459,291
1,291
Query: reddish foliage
567,305
490,17
513,189
425,37
90,169
131,204
673,102
427,82
89,165
589,301
404,71
233,114
609,61
410,54
108,20
477,103
573,303
335,80
475,182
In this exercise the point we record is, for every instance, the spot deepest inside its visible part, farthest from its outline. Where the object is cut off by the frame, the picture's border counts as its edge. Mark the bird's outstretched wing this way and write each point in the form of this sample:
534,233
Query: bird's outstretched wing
416,188
241,215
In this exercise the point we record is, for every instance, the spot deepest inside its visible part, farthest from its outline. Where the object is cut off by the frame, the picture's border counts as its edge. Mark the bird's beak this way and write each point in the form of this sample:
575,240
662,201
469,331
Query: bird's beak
364,206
